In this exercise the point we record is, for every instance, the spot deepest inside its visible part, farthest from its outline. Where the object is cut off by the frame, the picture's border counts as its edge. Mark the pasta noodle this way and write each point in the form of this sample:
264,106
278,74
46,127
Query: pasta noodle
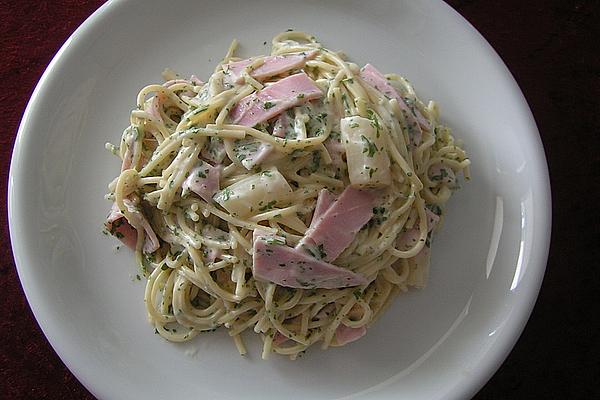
199,183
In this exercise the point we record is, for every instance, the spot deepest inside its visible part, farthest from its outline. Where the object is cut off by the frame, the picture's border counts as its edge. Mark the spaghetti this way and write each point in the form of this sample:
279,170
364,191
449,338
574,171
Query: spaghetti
271,154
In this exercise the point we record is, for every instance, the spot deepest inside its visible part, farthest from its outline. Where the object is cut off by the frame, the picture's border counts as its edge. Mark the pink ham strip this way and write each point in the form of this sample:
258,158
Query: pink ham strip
345,334
336,149
211,255
275,262
155,106
280,125
373,77
274,99
196,81
432,219
279,339
337,227
125,231
175,81
203,180
117,225
324,201
272,66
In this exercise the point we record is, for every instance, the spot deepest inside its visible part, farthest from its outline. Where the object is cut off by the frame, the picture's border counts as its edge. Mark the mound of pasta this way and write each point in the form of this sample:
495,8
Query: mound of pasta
293,195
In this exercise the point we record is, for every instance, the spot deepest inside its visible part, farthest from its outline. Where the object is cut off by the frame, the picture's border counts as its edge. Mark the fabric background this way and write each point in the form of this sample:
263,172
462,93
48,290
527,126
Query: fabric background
551,48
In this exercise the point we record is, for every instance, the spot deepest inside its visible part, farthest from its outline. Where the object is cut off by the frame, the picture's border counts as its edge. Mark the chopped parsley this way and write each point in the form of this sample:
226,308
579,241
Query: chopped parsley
321,250
268,206
322,117
374,121
316,161
369,146
434,208
274,240
443,174
268,105
379,216
227,193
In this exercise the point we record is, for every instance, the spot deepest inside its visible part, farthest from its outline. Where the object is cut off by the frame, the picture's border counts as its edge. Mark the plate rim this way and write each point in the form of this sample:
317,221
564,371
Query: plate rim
464,388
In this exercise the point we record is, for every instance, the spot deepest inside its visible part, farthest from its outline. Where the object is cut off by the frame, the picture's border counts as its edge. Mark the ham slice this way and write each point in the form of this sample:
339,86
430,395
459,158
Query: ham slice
324,201
203,180
374,78
275,262
335,229
131,147
127,231
432,219
345,334
274,99
280,125
272,66
336,149
211,254
279,339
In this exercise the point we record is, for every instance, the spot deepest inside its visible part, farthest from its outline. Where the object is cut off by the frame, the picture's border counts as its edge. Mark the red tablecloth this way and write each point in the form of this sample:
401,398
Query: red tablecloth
548,45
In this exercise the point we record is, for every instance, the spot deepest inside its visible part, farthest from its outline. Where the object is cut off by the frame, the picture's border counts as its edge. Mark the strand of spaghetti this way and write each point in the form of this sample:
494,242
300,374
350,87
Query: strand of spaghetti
182,308
154,282
330,331
159,89
412,176
137,115
284,145
201,274
232,220
230,51
174,141
245,91
200,281
363,320
238,327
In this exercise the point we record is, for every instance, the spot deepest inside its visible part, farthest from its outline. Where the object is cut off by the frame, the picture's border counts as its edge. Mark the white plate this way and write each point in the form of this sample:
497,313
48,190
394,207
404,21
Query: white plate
441,342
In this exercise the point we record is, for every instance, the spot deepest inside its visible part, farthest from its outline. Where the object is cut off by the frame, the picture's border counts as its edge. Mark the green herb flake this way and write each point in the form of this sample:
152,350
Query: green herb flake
369,146
227,193
268,206
443,174
316,161
274,241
